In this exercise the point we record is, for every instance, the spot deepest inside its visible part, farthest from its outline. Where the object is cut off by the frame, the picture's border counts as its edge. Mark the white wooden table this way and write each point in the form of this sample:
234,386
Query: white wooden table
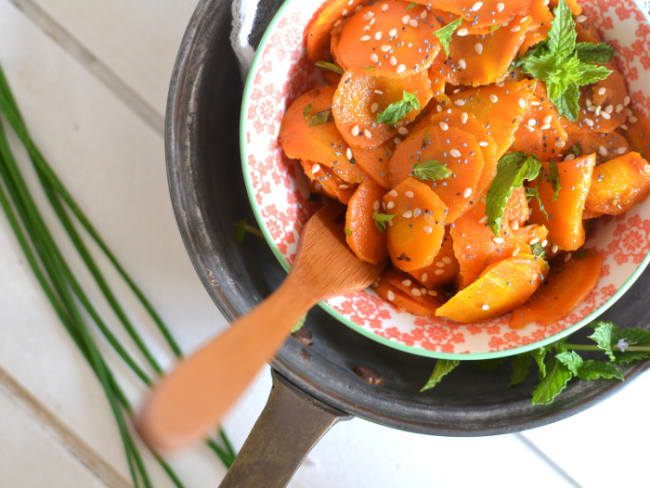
91,77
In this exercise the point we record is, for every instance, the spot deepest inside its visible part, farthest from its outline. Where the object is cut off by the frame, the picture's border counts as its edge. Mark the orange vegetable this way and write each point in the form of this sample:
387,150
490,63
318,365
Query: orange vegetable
541,133
321,143
482,14
414,235
438,77
541,23
609,94
587,32
327,183
318,30
484,102
500,289
335,37
363,236
375,162
566,286
480,60
456,149
619,184
359,98
418,301
411,45
638,133
604,145
517,209
564,221
446,17
444,268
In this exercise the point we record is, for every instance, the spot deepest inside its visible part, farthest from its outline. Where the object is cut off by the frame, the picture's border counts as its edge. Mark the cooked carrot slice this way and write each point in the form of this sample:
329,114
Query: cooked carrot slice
481,60
541,17
588,32
564,221
389,39
318,30
638,133
482,14
456,149
303,136
604,145
414,235
438,77
500,289
363,236
403,282
335,37
423,305
509,101
444,268
619,184
359,98
517,209
610,95
588,215
566,286
375,162
327,183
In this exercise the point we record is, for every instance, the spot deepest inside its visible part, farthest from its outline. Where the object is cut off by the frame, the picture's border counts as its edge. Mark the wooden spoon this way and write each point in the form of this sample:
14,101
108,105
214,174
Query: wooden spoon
188,403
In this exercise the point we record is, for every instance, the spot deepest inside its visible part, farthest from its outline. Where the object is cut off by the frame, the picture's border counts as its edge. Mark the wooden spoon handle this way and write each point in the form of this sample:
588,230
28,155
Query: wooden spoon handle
189,402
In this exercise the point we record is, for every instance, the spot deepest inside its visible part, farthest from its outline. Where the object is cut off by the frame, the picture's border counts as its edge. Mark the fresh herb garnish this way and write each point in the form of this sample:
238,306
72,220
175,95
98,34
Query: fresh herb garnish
329,66
369,67
521,365
242,228
442,368
538,250
495,27
533,192
321,117
412,5
382,219
576,149
445,33
557,62
431,170
396,111
589,52
348,232
513,170
553,178
307,110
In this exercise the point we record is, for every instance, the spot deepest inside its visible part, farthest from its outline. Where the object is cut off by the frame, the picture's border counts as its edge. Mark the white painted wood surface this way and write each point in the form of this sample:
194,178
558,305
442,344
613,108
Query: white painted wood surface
110,154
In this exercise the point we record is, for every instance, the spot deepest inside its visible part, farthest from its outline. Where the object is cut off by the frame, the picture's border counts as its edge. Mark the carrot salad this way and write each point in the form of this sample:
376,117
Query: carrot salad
473,143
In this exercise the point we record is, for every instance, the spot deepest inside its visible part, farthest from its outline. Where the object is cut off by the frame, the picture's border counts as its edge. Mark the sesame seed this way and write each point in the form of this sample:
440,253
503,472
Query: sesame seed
602,90
408,214
532,122
315,169
555,248
367,133
374,107
433,293
460,102
424,14
348,153
605,115
560,144
384,7
478,47
485,306
378,92
515,225
464,117
581,18
462,32
390,295
523,19
409,194
626,101
427,229
498,240
522,103
568,257
385,48
455,153
355,130
609,109
533,241
440,264
416,292
397,140
401,68
621,150
376,205
516,28
602,150
547,120
365,38
374,57
544,243
407,282
467,193
405,19
390,205
413,23
515,252
589,122
438,272
379,35
403,130
443,126
500,6
477,6
392,32
632,119
392,193
546,127
493,98
446,259
483,144
368,15
462,64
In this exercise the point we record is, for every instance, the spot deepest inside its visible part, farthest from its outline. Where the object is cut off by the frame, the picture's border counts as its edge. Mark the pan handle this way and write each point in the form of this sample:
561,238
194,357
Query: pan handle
289,426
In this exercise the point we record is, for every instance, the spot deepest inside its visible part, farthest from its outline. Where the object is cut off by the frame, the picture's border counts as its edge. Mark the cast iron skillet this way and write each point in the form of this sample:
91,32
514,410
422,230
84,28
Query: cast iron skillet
317,384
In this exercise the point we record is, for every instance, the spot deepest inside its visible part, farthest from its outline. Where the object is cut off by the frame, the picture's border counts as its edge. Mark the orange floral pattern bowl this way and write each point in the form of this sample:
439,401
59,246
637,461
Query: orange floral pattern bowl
279,194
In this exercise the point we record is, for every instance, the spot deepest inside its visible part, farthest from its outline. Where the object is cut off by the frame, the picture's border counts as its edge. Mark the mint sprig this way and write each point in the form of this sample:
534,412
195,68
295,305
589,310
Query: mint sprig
398,110
565,65
382,219
445,33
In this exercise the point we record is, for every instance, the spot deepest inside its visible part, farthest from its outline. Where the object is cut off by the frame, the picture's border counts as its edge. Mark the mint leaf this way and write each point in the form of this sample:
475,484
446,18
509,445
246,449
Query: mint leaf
431,170
382,219
589,52
539,355
348,232
299,324
533,192
566,100
591,73
520,369
412,5
307,110
538,250
602,336
553,178
512,170
444,33
330,66
630,337
595,370
571,360
320,118
495,27
555,381
442,368
398,110
539,66
562,35
242,228
576,149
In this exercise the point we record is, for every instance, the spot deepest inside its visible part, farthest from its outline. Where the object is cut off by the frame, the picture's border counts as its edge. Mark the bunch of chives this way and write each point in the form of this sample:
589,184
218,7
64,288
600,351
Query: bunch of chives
64,291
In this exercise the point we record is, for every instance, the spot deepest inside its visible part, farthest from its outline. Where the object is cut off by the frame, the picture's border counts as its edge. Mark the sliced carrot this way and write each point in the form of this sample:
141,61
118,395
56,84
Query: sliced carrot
414,235
517,209
423,305
604,145
638,133
375,162
541,133
325,182
481,60
510,101
438,77
567,285
389,39
541,23
456,149
403,282
482,14
588,32
500,289
466,27
443,270
588,215
363,236
359,98
619,184
303,136
318,30
610,95
335,37
564,220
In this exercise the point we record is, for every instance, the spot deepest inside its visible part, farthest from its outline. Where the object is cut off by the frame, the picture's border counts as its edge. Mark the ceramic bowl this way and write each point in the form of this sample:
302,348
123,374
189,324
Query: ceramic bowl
279,194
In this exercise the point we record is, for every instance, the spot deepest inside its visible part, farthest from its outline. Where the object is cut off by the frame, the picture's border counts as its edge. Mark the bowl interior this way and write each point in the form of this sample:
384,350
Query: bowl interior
279,195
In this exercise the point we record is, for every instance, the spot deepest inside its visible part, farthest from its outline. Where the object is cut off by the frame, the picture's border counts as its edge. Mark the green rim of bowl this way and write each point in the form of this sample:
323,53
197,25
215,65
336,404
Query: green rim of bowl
357,328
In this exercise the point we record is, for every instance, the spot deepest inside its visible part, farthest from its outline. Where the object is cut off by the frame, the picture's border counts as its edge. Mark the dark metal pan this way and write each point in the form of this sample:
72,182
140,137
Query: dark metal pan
315,382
